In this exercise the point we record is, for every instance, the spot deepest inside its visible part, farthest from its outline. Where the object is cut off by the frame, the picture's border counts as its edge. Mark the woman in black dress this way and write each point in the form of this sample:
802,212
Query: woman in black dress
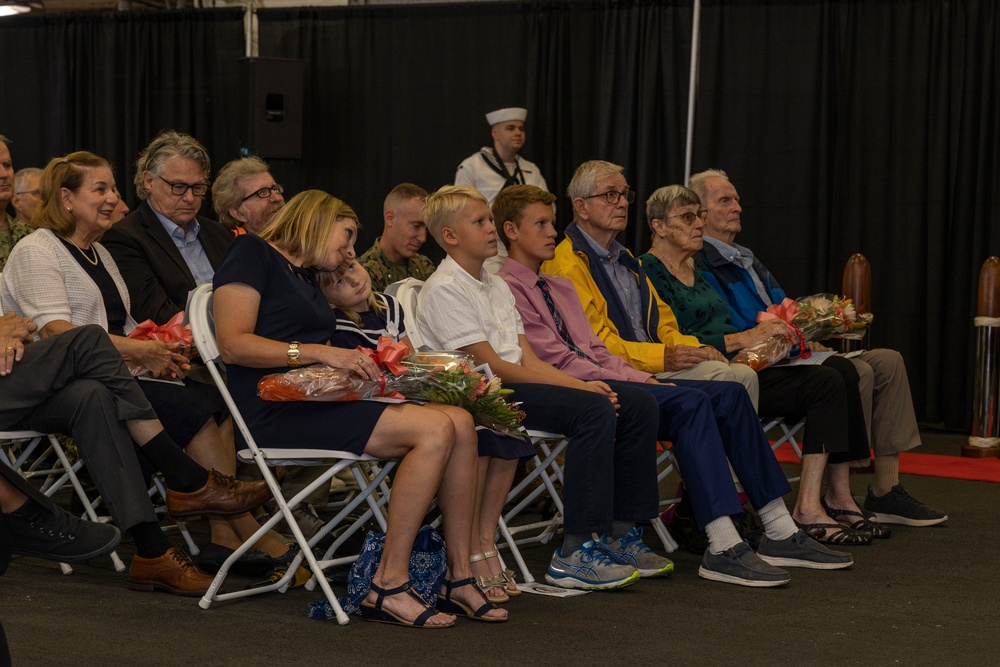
270,314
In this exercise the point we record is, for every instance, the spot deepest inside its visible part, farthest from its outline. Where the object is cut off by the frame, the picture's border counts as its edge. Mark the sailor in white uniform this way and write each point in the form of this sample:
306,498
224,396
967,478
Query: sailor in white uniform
491,169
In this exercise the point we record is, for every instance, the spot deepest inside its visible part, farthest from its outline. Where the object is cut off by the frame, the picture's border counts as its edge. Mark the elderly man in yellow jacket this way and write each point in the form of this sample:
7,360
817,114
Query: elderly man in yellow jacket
622,306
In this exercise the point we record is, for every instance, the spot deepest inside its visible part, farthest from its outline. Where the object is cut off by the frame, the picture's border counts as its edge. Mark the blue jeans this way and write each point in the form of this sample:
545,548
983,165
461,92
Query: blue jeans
610,470
710,422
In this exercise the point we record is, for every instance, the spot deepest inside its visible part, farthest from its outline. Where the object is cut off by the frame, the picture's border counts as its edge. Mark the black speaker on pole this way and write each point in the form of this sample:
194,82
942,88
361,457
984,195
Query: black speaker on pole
272,124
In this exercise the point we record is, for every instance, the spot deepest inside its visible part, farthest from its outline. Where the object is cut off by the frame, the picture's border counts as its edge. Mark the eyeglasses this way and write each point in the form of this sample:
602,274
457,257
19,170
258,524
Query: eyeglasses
613,196
264,193
689,217
29,192
180,189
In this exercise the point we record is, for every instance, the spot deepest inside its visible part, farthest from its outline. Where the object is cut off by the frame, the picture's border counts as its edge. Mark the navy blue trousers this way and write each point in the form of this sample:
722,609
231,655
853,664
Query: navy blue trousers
610,470
709,422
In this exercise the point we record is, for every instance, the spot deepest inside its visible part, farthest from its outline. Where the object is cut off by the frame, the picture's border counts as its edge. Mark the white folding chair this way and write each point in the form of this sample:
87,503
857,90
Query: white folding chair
52,467
666,463
374,490
541,480
157,489
788,434
406,292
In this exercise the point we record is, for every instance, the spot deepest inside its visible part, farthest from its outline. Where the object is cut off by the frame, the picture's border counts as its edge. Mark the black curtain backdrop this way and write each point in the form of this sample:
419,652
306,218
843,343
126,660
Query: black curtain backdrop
847,125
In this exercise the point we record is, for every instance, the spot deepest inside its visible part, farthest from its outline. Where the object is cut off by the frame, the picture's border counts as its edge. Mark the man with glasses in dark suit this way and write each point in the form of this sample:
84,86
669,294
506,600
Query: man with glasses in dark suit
164,249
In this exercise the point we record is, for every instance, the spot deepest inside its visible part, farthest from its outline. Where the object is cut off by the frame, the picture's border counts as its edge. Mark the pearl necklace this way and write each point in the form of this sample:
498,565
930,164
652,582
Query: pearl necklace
94,261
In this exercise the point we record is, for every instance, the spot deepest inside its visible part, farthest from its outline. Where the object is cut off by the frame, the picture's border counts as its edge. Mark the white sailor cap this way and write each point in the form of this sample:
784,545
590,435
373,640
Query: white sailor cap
503,115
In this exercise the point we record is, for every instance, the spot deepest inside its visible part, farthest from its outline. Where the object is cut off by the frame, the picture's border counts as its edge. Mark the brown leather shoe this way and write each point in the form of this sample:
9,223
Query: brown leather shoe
173,572
222,495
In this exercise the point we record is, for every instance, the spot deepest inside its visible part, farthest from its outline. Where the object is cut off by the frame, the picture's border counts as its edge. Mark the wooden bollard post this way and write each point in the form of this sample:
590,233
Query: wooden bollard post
985,438
858,288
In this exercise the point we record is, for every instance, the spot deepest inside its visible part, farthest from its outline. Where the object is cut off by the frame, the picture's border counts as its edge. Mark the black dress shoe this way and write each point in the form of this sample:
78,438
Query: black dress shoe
685,530
251,564
4,548
749,527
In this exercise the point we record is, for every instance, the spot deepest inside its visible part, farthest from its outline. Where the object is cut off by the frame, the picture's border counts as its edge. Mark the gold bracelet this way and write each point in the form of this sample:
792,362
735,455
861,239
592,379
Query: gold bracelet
293,354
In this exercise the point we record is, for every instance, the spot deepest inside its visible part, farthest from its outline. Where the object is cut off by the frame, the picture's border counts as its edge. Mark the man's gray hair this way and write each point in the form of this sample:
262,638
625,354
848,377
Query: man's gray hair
663,199
168,145
587,174
226,191
23,175
697,181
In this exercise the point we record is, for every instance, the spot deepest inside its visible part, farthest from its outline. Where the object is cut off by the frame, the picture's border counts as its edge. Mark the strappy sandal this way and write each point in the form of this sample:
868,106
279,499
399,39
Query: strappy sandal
487,584
866,523
835,534
507,573
375,612
449,606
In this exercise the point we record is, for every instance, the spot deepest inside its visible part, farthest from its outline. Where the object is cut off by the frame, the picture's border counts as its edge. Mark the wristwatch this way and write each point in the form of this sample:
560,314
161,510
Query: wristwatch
293,354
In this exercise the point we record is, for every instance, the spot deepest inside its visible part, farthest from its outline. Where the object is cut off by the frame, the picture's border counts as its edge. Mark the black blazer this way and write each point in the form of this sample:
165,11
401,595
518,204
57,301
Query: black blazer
156,274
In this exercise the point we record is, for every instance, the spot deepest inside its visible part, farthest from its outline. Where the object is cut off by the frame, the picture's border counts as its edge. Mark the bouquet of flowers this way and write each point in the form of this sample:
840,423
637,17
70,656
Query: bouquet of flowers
454,383
815,317
174,331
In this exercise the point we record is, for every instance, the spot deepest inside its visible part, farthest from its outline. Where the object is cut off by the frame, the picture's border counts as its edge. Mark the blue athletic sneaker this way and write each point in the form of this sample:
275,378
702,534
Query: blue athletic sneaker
589,568
631,550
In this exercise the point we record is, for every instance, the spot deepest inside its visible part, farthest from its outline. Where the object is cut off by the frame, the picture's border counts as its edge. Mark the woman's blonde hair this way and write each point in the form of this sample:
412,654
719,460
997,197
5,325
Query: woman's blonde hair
63,172
303,226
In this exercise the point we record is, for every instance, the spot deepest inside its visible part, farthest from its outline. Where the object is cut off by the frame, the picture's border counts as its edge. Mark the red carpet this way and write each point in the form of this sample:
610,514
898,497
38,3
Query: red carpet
930,465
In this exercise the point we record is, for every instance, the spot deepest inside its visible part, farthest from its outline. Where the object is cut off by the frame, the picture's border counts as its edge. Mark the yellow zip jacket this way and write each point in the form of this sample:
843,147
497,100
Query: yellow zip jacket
646,357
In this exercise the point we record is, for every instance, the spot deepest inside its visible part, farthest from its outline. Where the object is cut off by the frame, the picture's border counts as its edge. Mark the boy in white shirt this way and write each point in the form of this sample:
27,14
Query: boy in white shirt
610,470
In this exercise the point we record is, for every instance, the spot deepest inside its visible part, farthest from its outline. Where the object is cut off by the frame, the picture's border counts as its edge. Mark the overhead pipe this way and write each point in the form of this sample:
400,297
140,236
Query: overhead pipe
692,88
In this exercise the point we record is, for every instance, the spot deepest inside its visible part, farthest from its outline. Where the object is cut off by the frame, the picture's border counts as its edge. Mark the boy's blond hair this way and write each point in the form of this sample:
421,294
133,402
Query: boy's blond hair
441,207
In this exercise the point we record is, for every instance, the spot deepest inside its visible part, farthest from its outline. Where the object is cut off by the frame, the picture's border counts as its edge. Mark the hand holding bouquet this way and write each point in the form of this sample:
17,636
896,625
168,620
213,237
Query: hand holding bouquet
452,384
175,335
813,317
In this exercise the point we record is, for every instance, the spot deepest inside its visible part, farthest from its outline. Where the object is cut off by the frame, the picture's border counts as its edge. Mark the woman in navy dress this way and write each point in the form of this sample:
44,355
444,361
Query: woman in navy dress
270,314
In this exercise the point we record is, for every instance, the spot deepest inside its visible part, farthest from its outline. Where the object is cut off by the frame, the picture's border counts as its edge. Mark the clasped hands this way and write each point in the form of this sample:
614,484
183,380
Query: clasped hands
679,357
15,333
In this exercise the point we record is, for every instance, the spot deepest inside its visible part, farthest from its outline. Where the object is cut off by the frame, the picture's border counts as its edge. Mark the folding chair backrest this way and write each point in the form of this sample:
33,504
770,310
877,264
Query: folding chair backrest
200,314
406,291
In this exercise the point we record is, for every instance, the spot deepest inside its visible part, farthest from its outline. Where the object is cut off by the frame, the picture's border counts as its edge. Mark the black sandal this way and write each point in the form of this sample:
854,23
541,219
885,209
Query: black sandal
867,523
375,612
835,533
449,606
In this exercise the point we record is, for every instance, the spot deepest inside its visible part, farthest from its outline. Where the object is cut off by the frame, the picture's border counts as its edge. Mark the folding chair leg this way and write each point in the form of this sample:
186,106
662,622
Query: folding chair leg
669,544
78,487
515,552
181,526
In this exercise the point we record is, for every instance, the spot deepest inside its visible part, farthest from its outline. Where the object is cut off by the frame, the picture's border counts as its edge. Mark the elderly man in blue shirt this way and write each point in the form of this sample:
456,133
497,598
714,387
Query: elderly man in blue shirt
748,288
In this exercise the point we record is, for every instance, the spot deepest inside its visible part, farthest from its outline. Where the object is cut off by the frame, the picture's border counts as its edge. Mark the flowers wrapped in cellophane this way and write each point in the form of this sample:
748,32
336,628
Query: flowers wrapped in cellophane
452,383
815,317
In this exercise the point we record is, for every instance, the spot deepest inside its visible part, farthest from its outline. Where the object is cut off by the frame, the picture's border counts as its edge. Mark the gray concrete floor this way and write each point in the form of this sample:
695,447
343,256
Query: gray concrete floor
925,597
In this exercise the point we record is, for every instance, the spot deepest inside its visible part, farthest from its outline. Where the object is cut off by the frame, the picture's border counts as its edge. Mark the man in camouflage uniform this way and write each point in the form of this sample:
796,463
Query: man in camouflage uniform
11,230
394,255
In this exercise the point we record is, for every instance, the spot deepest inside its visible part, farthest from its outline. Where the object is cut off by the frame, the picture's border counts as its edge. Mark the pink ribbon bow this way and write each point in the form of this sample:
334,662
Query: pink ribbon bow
786,312
174,331
387,354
